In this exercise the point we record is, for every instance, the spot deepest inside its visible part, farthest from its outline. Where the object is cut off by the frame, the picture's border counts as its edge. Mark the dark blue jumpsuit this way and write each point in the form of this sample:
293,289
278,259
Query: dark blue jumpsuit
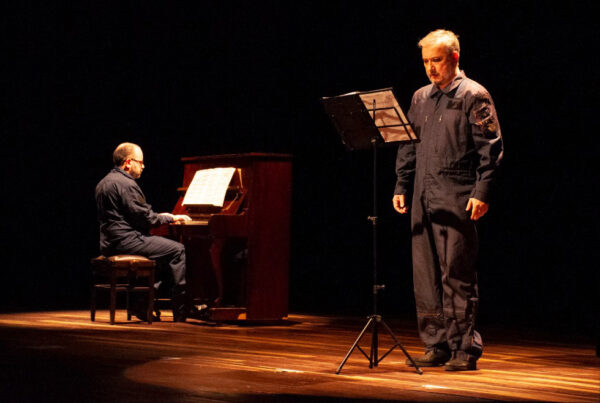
125,220
456,159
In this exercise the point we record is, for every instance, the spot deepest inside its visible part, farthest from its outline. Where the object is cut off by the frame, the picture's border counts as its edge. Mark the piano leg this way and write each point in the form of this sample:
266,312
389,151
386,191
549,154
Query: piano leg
216,253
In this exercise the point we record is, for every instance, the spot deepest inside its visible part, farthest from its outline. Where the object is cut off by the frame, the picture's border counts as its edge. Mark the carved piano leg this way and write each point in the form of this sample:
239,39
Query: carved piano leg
216,249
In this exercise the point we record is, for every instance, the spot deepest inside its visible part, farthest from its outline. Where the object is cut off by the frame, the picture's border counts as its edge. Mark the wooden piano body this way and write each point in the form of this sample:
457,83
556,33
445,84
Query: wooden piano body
238,255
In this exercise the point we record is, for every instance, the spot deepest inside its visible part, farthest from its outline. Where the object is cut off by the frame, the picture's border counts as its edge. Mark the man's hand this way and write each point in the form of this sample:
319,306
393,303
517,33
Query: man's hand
399,202
181,218
177,218
477,207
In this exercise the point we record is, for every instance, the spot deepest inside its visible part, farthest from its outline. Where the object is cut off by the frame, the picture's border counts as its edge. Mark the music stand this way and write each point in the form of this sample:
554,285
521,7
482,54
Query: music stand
360,129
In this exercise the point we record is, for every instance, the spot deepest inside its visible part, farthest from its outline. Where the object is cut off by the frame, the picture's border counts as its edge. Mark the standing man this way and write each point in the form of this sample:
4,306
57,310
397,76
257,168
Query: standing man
453,168
125,220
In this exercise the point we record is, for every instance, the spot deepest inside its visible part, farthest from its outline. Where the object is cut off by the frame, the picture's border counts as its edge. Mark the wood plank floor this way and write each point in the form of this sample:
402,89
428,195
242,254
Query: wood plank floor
60,356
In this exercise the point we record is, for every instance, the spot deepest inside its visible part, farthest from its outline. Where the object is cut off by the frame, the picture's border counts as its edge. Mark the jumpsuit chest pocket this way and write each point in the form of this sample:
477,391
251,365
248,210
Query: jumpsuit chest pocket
450,128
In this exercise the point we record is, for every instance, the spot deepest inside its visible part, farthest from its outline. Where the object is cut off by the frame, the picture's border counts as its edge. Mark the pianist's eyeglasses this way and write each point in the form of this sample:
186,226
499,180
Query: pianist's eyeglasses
138,161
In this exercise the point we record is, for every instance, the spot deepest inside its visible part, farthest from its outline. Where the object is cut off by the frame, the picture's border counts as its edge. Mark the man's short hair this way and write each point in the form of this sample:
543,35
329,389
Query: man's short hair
441,37
122,153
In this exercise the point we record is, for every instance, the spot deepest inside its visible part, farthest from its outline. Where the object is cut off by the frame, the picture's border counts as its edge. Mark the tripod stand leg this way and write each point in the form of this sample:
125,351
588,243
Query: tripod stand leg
419,371
360,336
374,344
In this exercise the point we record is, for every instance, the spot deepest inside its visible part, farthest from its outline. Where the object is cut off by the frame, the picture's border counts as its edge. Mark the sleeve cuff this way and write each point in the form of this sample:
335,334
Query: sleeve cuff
165,219
480,195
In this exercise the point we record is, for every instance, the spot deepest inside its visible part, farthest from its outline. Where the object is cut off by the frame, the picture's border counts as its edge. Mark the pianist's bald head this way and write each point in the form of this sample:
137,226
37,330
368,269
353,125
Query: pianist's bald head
130,158
123,152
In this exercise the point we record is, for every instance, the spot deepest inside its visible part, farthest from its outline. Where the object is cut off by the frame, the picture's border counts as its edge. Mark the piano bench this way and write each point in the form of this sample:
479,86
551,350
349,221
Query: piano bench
122,273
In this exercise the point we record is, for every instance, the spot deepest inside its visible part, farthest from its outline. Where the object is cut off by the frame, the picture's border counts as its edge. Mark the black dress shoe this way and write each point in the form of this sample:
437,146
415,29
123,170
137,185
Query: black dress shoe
434,357
461,361
199,312
183,313
143,316
180,315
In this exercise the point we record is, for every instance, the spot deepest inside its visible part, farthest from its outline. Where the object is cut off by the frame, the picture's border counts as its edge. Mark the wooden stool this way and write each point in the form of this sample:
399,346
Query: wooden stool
121,273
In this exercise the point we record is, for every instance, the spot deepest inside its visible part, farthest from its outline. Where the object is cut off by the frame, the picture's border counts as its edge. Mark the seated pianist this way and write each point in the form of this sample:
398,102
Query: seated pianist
125,219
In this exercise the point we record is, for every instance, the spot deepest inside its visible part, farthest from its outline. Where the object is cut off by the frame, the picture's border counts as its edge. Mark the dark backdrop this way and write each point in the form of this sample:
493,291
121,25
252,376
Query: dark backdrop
231,77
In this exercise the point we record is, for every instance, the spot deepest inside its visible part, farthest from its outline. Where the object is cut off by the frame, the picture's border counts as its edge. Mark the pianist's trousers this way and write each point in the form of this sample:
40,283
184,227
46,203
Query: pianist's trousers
166,253
444,249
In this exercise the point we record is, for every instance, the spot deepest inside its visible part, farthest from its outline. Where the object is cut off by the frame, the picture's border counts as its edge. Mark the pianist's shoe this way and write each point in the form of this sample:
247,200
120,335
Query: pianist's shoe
184,308
184,313
139,309
142,315
199,312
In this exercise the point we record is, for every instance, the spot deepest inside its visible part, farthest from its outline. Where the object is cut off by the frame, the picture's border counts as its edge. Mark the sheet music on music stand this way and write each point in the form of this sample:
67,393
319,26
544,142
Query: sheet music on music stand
352,114
208,187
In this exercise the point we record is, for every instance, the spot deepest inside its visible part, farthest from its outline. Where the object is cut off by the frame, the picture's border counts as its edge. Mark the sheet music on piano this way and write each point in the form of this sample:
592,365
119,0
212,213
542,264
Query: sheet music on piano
208,187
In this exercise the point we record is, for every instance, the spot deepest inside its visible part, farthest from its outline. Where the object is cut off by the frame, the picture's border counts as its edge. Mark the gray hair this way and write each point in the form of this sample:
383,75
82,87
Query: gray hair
441,37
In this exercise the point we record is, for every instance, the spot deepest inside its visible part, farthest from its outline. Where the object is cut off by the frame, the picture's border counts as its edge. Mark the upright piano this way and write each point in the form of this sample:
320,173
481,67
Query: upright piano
238,255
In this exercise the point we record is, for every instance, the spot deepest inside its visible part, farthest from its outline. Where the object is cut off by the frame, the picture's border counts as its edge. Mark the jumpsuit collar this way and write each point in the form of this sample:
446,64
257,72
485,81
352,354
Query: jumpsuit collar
118,169
437,91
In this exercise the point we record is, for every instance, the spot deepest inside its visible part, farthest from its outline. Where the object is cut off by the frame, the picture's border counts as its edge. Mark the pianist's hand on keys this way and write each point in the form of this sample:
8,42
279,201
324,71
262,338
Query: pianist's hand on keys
177,218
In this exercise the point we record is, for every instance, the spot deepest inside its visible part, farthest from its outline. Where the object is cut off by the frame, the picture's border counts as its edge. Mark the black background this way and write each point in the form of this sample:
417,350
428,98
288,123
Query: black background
232,77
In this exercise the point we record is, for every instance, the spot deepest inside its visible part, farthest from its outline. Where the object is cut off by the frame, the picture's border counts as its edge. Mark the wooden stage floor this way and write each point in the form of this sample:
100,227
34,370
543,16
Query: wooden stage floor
62,356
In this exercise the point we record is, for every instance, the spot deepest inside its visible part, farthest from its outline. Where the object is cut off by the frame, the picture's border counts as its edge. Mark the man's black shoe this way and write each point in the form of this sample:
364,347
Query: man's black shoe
461,361
434,357
180,314
143,316
199,312
194,312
